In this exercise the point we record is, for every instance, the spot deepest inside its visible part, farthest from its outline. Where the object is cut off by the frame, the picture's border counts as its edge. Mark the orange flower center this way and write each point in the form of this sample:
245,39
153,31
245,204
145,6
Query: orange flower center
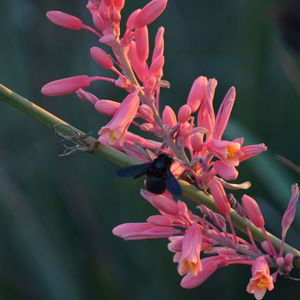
262,283
232,150
112,135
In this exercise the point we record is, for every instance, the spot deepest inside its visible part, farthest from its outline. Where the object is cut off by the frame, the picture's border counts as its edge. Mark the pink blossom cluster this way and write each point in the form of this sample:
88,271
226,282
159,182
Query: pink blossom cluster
193,136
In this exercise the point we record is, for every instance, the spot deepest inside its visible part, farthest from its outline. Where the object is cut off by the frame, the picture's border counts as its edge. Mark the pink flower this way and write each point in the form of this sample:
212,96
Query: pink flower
261,280
189,260
150,12
66,86
225,171
224,113
64,20
219,196
142,43
253,211
228,152
197,93
115,130
290,212
209,266
140,231
101,57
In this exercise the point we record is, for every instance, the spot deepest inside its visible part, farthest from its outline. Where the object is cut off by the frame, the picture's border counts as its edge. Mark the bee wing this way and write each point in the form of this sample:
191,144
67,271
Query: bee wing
172,184
134,171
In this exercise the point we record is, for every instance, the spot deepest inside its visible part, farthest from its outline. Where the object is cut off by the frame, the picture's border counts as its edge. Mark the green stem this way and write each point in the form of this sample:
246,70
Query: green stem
189,191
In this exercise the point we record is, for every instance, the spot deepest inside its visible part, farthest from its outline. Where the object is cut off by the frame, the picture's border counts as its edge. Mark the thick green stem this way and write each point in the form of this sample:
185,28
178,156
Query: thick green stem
189,191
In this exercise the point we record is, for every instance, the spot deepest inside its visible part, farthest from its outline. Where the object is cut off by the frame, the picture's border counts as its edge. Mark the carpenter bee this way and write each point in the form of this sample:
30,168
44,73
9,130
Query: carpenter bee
158,175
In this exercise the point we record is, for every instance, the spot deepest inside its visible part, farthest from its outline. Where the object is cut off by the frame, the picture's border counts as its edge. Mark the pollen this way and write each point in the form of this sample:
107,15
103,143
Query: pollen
262,283
232,150
112,135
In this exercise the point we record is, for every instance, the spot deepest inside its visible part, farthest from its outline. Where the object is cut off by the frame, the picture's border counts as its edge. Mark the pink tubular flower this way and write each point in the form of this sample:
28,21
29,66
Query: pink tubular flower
184,113
150,12
115,130
197,93
224,113
290,212
228,152
261,280
107,107
101,57
251,150
66,86
219,196
189,260
209,266
142,42
252,211
140,231
64,20
225,171
169,117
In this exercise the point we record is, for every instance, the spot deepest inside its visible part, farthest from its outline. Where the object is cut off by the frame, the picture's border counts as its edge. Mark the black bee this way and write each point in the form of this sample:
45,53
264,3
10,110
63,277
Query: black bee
158,175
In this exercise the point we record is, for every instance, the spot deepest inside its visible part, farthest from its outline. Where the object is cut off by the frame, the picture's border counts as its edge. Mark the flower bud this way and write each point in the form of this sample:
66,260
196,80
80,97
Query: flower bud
197,93
142,43
169,117
107,107
101,57
184,113
66,86
252,211
219,196
150,12
64,20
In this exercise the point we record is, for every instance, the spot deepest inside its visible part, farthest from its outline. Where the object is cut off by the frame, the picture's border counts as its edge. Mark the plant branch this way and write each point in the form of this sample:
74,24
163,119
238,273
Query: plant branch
189,191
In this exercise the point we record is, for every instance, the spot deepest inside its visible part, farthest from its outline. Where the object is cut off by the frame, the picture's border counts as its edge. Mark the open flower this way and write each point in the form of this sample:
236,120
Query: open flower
116,129
261,280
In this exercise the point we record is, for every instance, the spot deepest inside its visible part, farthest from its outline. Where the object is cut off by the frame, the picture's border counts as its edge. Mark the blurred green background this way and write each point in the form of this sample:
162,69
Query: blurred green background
56,214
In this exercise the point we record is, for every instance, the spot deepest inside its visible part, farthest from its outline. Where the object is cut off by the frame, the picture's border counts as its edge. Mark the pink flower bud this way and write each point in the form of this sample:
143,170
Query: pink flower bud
225,171
224,113
197,93
66,86
184,113
142,42
101,57
290,212
64,20
219,196
252,211
119,4
169,117
107,107
150,12
108,39
156,67
131,19
140,67
146,113
159,43
139,231
161,202
86,96
160,220
196,140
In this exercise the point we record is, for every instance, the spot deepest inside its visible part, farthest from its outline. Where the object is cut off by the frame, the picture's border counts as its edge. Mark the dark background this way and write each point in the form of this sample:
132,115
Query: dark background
57,214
